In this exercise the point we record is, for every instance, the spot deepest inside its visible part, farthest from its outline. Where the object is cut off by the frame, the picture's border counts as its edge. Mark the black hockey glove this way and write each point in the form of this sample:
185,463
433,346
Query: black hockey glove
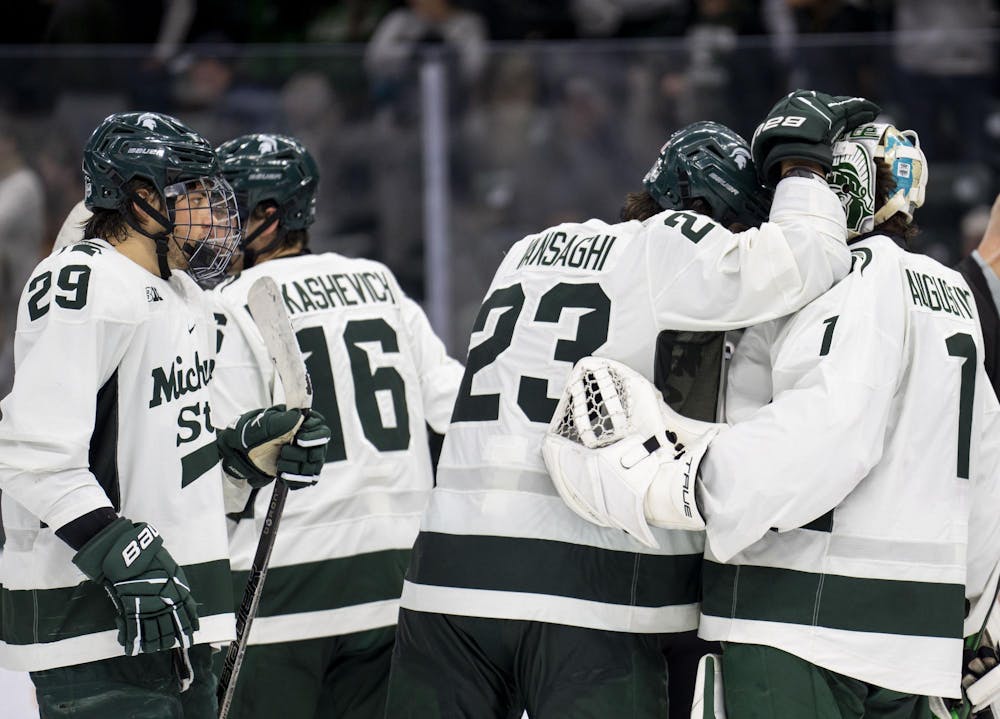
976,664
149,590
300,462
803,125
262,443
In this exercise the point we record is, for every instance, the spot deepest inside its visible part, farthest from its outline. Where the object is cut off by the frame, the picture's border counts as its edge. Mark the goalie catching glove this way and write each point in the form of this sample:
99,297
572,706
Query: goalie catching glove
149,590
267,443
620,457
803,125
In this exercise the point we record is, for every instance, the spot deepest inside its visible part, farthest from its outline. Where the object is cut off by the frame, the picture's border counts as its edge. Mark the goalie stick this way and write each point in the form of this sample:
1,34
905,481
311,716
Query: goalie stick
268,312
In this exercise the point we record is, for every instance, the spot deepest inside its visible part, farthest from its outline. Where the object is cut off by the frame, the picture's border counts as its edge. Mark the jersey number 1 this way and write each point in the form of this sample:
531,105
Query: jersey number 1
962,345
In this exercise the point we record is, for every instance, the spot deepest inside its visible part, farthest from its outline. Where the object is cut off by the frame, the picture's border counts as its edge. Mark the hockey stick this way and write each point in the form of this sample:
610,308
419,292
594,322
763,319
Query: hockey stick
268,311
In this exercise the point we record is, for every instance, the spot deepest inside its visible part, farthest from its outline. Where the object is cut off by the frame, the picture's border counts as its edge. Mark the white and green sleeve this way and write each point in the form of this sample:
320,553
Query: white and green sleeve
704,277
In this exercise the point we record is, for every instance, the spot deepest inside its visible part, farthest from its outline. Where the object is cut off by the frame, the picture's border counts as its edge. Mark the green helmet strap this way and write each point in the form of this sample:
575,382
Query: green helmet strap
250,255
160,238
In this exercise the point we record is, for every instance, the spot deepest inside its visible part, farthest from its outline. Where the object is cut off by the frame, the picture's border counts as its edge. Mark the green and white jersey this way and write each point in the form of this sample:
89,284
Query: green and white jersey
497,541
849,519
379,376
110,408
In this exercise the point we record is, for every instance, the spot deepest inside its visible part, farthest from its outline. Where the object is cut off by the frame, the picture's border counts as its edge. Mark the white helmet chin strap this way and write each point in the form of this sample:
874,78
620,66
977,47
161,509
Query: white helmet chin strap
854,176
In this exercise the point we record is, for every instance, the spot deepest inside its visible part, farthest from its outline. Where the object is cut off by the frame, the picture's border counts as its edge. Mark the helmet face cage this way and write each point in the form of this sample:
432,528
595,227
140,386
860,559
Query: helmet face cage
854,176
206,225
272,168
709,161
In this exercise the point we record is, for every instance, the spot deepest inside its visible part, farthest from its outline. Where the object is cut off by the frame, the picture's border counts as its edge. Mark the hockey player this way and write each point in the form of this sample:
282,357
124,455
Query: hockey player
512,601
322,640
108,452
854,506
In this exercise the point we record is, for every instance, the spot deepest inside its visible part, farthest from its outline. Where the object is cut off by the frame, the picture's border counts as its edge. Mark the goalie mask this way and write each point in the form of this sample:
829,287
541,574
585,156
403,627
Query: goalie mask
197,207
854,176
709,161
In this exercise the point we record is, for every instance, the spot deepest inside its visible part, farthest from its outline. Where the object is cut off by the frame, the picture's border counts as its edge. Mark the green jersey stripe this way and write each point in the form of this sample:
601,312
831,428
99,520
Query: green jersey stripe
330,584
40,616
884,606
540,566
103,454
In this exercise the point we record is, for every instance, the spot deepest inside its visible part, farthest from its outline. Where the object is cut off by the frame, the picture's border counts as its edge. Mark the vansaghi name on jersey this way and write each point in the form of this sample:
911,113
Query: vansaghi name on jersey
936,294
321,292
560,249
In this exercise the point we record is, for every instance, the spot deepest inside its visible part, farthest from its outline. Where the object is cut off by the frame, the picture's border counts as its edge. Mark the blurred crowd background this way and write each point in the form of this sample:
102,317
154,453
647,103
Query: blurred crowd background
447,129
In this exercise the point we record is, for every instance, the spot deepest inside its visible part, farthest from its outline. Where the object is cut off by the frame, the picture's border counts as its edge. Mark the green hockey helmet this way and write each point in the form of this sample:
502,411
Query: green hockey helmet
709,161
146,145
275,168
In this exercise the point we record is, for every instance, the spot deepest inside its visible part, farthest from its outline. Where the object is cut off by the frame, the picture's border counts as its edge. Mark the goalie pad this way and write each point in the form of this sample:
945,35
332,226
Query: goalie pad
709,700
619,456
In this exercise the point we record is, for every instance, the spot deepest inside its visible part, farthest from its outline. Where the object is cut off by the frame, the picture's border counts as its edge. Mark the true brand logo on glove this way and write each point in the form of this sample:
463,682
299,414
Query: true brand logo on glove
134,548
686,489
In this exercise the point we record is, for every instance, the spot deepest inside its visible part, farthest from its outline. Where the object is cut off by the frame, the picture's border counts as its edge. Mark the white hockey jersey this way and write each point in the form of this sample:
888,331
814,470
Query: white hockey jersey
849,519
497,541
110,408
379,375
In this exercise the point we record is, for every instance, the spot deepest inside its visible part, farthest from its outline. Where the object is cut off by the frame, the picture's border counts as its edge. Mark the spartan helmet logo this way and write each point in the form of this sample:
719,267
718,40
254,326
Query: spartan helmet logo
267,145
852,179
741,156
147,120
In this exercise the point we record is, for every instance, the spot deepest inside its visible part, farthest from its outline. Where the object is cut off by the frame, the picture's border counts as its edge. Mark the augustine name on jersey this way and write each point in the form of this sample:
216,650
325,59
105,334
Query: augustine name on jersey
937,295
321,292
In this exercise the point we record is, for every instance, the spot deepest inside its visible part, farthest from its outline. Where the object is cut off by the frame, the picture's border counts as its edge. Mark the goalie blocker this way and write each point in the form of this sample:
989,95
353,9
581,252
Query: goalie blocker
619,456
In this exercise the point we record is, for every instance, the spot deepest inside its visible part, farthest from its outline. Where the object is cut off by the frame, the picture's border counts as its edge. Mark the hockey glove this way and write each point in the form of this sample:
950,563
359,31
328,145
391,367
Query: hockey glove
980,679
619,456
803,125
149,591
300,462
251,444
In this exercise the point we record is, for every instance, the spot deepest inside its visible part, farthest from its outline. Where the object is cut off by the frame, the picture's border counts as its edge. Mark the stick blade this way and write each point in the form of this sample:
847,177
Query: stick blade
268,311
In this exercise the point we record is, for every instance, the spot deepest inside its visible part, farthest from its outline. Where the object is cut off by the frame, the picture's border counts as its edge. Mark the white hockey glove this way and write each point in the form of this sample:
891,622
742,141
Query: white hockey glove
620,457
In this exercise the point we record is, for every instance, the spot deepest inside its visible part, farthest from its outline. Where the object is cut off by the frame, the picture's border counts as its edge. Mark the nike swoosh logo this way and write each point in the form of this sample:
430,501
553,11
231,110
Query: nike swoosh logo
191,328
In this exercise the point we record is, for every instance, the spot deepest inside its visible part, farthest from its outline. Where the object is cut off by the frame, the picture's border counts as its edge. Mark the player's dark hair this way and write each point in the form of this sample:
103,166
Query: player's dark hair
287,239
896,225
641,206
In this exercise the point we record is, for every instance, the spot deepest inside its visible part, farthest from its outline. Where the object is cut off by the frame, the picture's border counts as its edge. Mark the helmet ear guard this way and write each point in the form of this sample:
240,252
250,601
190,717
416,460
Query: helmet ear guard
854,175
708,161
